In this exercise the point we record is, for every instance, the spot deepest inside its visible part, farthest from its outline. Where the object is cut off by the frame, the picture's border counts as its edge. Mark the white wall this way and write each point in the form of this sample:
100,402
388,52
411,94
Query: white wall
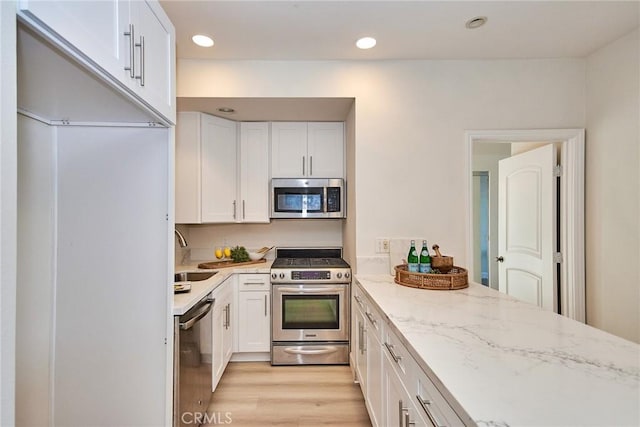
410,119
202,239
35,295
613,188
8,210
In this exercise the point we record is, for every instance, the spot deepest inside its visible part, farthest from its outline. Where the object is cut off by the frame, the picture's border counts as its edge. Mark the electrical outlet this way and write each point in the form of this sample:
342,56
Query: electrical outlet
382,246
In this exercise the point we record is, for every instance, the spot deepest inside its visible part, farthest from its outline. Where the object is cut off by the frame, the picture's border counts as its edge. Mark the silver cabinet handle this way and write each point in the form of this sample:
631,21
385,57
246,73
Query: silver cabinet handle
132,44
407,419
371,319
243,211
302,165
310,165
141,46
224,320
395,357
253,283
228,315
432,417
358,299
401,410
265,305
234,209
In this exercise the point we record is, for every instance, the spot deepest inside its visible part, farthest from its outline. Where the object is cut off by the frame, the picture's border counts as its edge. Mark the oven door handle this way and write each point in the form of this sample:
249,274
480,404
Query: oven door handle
312,350
310,290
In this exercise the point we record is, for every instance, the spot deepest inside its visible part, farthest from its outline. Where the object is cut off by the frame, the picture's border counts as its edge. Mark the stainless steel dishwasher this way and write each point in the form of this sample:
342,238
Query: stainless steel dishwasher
191,366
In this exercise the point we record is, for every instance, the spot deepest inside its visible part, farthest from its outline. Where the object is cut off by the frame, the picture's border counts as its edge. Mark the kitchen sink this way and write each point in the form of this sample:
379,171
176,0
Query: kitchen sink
193,276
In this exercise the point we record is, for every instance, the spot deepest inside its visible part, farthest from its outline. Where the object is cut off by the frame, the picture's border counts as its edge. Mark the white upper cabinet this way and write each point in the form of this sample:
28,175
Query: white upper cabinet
254,172
154,56
288,149
220,177
218,169
325,148
133,42
307,150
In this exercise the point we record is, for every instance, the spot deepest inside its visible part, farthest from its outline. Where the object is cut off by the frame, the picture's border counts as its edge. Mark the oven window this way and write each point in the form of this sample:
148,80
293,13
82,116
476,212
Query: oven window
310,312
298,199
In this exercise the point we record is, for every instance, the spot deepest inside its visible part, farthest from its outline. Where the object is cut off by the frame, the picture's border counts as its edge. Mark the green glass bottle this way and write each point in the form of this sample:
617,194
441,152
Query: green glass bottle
412,258
425,259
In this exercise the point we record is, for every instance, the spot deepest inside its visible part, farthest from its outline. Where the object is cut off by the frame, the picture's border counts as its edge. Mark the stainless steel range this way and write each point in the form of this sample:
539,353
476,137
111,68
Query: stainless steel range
310,307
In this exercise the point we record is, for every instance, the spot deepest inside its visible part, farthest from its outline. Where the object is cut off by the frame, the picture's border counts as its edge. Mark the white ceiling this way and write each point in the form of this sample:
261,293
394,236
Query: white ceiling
326,30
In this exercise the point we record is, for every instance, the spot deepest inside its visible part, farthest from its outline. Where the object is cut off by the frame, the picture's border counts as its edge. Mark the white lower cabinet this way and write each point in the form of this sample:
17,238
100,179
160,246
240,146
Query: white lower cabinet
397,391
399,408
254,313
222,329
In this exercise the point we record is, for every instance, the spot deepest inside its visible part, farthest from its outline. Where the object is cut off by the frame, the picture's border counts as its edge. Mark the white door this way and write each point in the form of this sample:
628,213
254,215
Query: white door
527,226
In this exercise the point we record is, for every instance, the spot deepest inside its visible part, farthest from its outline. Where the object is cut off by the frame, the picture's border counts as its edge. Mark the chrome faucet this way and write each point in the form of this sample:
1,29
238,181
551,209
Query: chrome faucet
181,239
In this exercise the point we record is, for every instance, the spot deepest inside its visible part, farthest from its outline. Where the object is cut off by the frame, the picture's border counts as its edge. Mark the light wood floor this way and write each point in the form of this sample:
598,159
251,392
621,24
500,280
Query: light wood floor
258,394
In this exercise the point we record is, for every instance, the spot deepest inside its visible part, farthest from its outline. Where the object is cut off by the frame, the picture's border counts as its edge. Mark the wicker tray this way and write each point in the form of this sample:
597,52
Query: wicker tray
456,278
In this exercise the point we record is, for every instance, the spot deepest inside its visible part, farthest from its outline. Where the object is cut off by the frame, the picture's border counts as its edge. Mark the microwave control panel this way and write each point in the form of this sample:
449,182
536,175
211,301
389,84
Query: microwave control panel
333,199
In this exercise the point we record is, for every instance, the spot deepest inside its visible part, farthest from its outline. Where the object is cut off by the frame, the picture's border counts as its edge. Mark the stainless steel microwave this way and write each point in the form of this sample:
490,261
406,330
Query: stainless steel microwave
307,198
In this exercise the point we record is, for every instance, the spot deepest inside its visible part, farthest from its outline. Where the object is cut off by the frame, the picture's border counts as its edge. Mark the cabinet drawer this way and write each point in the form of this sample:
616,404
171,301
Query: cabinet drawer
254,282
431,405
402,360
360,301
374,320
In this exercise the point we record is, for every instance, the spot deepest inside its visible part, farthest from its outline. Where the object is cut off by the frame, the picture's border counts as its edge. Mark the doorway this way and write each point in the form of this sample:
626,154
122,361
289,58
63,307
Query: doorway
481,211
571,202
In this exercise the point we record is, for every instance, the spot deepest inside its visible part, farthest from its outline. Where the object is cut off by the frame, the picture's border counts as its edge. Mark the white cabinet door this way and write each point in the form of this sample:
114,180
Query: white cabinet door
399,407
254,323
222,330
95,28
218,319
375,357
218,163
325,149
154,57
288,149
359,345
254,313
254,172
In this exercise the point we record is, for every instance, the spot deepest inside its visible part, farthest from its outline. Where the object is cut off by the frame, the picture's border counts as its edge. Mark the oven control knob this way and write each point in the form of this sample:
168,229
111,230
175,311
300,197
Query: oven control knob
346,275
274,276
282,275
339,275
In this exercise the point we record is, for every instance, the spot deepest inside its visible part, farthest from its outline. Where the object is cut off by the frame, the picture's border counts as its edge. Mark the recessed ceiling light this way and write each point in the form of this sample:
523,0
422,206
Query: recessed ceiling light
226,110
476,22
202,40
366,42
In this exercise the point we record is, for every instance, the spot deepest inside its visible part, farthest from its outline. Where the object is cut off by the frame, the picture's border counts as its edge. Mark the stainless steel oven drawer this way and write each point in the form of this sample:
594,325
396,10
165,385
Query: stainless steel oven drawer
306,353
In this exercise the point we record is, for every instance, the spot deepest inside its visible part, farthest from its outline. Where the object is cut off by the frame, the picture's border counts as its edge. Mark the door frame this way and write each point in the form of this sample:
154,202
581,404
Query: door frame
572,276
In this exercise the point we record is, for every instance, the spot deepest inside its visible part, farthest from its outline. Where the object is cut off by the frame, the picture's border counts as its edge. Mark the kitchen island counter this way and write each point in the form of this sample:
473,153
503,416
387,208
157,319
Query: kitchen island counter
503,362
184,301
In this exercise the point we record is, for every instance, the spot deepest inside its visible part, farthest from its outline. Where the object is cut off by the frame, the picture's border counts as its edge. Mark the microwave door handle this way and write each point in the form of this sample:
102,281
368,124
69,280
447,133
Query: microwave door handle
324,199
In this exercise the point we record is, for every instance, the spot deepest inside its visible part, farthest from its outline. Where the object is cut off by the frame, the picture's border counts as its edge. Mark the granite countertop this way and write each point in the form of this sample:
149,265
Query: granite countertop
510,363
184,301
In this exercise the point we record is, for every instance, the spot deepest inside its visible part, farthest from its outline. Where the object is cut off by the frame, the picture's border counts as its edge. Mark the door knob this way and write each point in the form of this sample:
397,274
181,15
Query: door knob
500,259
